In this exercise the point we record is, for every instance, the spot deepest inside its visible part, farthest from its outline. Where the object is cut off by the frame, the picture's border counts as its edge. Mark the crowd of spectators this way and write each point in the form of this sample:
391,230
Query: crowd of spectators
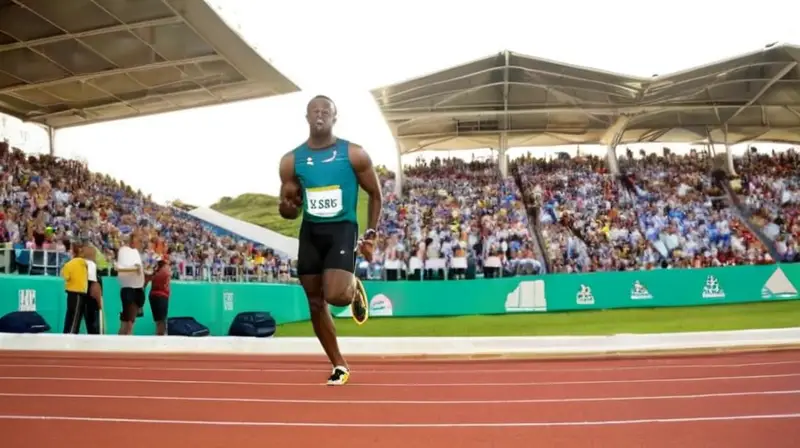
47,202
452,210
455,219
674,218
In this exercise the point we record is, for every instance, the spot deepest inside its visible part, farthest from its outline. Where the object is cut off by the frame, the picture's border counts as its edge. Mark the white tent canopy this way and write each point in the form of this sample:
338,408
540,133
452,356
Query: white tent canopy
280,243
510,100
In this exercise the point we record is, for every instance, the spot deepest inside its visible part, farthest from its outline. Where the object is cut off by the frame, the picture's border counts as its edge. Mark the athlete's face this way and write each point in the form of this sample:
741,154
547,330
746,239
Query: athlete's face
321,116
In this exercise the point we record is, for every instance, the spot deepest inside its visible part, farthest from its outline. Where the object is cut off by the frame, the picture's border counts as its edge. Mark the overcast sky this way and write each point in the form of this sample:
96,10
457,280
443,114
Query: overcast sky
344,48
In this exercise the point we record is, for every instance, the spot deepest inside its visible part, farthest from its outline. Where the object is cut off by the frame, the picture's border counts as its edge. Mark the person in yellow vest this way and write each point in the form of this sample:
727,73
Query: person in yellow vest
79,304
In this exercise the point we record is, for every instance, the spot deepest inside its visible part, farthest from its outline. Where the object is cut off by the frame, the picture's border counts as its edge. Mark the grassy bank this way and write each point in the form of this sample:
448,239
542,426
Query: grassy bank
262,210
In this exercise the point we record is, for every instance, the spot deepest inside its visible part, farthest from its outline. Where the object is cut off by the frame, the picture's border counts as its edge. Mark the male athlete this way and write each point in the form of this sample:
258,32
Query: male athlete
323,175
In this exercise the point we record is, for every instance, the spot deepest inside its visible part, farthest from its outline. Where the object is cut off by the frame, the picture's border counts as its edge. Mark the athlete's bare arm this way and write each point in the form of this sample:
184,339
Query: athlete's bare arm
290,198
368,179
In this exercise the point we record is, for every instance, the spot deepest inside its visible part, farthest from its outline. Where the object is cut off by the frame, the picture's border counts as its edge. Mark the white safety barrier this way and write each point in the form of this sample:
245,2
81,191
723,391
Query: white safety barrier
414,346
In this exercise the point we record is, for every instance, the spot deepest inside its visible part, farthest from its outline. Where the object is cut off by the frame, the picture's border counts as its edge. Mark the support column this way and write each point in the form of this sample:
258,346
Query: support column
398,178
710,151
728,152
611,139
502,160
611,159
51,134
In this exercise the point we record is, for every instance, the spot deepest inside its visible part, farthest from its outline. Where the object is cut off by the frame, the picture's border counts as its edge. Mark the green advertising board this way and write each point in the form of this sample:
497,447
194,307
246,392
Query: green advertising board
213,304
216,304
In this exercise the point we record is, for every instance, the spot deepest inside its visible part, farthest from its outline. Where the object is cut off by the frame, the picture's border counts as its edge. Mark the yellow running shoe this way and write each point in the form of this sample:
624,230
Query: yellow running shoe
339,376
359,308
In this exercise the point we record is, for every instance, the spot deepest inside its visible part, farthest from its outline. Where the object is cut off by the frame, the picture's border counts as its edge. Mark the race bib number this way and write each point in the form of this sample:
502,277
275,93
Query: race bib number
324,202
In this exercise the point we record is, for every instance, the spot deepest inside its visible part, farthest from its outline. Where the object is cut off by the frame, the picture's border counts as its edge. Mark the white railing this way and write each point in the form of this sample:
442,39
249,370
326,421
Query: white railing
32,261
49,262
456,268
232,273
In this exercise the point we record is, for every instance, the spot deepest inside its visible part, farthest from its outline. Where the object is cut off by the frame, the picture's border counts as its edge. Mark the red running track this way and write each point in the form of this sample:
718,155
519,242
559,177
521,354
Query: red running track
126,401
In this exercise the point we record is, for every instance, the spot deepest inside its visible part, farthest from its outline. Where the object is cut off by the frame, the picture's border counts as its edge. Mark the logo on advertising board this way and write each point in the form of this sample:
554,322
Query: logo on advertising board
527,296
640,292
584,296
27,300
778,286
227,301
712,289
379,306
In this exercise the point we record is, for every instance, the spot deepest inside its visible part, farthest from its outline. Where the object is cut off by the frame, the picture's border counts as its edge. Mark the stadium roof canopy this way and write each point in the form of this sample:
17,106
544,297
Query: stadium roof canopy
536,102
73,62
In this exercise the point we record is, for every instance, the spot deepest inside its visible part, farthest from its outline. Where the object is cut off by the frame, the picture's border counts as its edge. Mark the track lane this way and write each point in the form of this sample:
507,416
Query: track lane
310,378
383,413
377,375
777,433
543,391
373,364
553,386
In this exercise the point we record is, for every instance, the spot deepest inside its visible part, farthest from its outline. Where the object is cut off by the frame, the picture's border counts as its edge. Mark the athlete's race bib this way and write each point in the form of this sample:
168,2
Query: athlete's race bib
324,202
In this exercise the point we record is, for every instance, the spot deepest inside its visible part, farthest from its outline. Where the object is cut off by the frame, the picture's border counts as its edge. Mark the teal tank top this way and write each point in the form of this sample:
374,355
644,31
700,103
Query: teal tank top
330,186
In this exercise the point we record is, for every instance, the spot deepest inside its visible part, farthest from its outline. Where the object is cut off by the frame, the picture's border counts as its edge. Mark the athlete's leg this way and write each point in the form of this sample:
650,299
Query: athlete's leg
321,318
332,284
340,285
309,270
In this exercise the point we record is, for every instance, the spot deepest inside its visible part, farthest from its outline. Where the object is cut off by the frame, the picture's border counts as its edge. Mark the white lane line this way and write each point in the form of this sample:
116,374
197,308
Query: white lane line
401,402
464,370
541,383
401,425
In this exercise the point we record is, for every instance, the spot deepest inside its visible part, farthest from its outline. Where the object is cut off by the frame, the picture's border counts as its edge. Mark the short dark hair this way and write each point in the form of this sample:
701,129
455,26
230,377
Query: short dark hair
327,98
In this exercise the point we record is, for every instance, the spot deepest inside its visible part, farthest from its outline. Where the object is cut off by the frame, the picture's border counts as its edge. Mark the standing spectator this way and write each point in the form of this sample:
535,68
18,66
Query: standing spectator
76,283
159,295
94,299
131,281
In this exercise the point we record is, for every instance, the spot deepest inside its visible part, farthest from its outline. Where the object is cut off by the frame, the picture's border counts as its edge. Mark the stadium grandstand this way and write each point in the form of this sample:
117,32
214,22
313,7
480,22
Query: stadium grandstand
451,212
617,272
106,60
99,61
447,218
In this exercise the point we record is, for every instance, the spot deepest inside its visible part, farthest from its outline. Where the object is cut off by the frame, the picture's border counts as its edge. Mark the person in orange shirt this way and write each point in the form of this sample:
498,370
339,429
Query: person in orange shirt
159,245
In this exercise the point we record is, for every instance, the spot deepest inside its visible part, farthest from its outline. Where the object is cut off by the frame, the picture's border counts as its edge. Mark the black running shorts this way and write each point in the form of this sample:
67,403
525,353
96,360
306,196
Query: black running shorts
132,302
323,246
159,307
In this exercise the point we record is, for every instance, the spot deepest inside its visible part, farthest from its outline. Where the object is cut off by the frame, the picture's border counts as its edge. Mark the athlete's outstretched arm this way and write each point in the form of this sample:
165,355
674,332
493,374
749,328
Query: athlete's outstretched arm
368,179
290,189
